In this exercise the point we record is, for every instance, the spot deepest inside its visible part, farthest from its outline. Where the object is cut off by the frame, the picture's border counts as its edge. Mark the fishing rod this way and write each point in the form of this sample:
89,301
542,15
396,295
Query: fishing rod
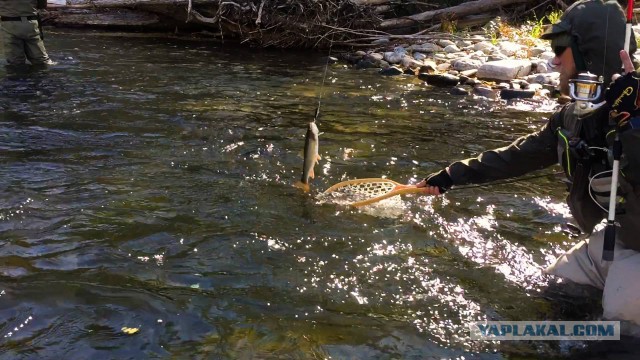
494,183
609,243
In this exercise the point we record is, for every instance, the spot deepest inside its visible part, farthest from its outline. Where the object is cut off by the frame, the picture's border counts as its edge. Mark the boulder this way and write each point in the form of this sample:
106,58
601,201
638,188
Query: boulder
504,69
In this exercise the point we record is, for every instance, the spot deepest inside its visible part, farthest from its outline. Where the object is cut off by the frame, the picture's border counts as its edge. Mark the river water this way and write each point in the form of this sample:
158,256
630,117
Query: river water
146,182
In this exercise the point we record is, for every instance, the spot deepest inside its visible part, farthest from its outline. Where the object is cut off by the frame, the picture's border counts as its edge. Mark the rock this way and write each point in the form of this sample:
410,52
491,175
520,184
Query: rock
534,87
375,55
332,59
444,43
407,61
484,46
504,69
367,63
536,51
497,57
427,69
458,91
547,55
391,71
466,64
484,91
509,48
469,73
351,58
440,80
395,56
508,94
472,82
425,48
451,49
443,67
419,56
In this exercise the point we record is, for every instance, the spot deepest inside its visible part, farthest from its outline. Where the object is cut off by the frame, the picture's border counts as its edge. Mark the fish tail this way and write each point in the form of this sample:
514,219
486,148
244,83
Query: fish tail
303,186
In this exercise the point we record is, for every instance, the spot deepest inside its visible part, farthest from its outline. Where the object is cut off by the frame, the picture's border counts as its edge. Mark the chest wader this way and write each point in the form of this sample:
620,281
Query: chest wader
581,154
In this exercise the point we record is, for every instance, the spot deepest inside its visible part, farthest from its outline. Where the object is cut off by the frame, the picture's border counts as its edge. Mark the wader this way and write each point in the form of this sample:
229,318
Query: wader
21,38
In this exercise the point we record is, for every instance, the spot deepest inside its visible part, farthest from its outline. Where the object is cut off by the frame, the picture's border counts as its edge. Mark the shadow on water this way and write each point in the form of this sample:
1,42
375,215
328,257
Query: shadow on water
147,183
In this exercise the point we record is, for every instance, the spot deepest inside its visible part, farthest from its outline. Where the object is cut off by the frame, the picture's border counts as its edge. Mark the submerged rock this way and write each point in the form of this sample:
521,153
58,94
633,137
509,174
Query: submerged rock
508,94
443,80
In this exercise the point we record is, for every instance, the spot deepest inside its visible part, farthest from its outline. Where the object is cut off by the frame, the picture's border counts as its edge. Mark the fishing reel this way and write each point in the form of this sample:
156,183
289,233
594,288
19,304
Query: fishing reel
585,90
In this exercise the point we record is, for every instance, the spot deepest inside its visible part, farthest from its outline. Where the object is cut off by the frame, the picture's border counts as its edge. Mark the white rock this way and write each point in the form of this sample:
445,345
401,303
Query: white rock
395,56
444,67
547,55
441,57
509,48
444,43
484,46
504,69
419,56
463,64
451,49
425,48
536,51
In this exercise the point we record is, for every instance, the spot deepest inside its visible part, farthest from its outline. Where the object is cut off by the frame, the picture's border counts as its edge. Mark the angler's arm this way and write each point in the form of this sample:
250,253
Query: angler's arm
528,153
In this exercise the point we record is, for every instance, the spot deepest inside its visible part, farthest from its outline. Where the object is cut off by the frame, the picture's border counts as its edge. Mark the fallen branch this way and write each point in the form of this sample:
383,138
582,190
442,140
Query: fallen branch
453,12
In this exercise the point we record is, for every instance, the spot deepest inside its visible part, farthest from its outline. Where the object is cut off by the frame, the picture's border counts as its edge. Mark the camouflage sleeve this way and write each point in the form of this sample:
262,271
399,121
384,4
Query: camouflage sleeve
528,153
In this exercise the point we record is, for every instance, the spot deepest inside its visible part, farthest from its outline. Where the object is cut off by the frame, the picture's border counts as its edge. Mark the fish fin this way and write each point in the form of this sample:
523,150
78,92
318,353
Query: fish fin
312,173
300,185
318,158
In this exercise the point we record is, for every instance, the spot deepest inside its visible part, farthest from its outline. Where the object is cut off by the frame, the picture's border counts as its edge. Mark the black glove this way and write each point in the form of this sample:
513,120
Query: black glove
622,95
441,179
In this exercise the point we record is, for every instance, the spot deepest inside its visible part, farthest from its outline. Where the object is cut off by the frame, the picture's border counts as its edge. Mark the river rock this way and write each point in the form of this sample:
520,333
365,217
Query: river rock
419,56
485,91
451,49
509,94
367,63
440,80
443,67
509,48
444,43
484,46
391,71
469,73
463,64
504,69
425,48
395,56
457,90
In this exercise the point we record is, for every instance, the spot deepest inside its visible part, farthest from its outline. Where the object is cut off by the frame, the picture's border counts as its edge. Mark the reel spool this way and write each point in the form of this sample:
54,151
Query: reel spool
585,90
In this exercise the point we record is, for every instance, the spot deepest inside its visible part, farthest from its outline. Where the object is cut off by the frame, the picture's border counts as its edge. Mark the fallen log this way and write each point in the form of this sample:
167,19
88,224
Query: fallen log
450,13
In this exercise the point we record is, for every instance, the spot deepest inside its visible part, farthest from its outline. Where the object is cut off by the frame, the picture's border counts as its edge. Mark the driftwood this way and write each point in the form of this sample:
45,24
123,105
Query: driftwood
286,23
469,8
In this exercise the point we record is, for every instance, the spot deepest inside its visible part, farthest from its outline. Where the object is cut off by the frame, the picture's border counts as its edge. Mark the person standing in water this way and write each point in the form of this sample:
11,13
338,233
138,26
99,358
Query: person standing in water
588,38
21,32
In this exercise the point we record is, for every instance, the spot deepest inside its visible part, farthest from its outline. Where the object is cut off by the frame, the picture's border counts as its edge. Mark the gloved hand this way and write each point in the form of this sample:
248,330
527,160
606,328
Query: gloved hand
622,95
441,179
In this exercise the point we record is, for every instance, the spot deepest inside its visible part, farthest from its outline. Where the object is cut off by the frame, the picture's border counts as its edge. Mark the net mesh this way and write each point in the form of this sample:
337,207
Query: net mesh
351,193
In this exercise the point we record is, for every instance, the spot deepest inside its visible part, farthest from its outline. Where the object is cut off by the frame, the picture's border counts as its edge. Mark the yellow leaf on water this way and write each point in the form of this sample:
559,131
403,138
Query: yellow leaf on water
129,331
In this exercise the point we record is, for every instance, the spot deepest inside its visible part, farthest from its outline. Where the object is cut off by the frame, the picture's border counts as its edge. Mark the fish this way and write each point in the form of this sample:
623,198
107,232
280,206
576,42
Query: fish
311,156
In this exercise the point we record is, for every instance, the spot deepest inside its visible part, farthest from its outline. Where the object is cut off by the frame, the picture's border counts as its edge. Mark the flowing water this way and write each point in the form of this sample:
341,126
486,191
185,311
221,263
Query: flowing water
146,182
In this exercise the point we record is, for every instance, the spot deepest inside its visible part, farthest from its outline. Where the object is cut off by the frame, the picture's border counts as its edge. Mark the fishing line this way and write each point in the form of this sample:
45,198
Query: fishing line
324,77
505,181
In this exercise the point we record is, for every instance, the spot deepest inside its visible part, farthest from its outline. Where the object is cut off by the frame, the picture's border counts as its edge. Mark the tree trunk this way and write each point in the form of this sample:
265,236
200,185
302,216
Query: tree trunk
450,13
